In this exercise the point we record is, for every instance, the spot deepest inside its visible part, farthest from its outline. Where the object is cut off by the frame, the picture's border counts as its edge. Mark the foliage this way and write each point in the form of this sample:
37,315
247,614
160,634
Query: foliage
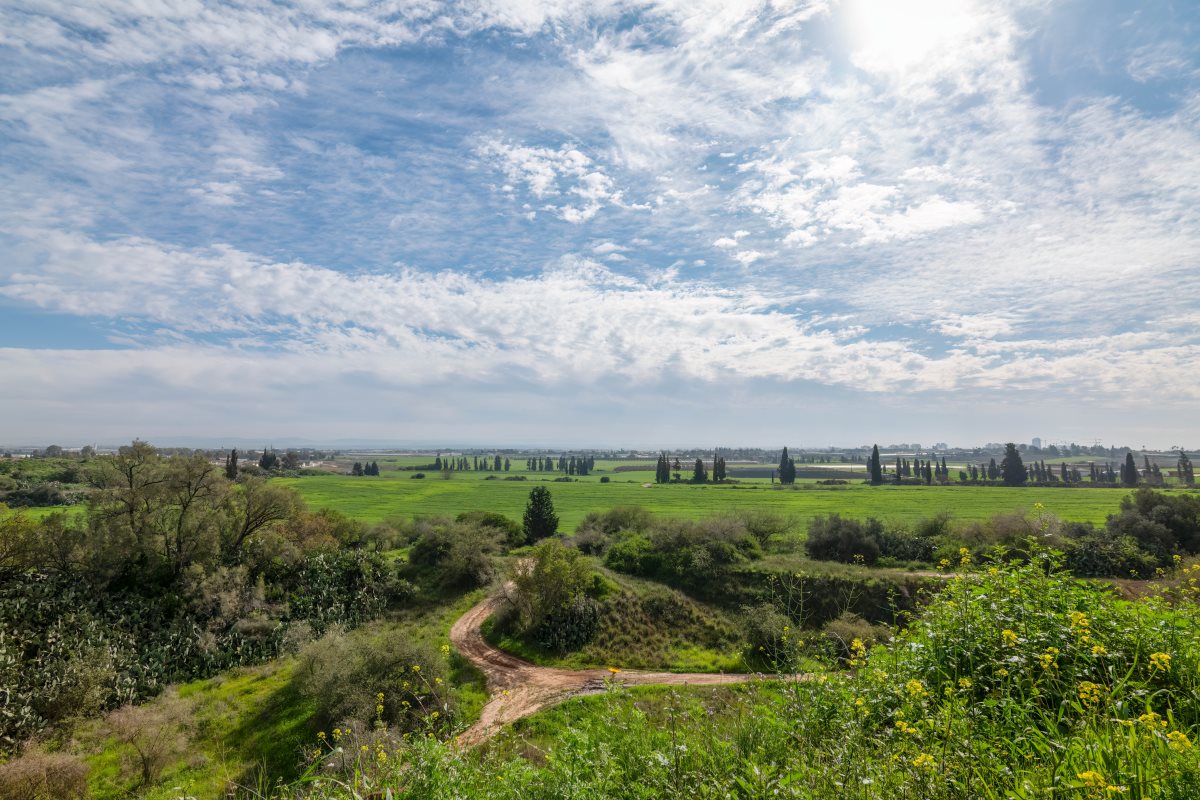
462,551
539,520
835,538
550,596
1012,469
152,737
1016,682
40,775
570,626
172,573
361,680
683,552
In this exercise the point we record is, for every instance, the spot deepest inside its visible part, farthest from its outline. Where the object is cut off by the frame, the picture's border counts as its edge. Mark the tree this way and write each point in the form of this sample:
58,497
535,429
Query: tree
540,520
699,474
549,593
1012,468
875,466
231,465
252,507
268,459
1186,475
1129,472
507,465
787,469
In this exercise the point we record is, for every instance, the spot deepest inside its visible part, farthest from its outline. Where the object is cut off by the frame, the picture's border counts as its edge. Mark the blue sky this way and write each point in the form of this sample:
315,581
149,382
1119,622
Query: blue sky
603,223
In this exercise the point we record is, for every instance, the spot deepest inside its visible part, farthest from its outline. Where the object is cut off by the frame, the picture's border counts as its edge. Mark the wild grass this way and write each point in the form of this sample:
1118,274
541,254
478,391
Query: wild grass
1016,682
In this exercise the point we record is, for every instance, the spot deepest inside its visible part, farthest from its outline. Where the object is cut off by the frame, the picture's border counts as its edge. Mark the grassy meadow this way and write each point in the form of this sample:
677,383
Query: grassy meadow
397,494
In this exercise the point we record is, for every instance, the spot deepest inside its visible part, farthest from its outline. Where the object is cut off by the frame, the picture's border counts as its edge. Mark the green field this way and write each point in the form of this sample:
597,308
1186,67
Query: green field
395,494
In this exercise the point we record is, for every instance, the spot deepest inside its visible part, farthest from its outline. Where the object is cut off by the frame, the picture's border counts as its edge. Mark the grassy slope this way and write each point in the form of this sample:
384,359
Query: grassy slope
250,721
395,494
645,625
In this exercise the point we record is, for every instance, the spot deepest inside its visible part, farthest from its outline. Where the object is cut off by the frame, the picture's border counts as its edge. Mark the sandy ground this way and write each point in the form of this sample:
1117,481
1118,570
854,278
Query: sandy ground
519,688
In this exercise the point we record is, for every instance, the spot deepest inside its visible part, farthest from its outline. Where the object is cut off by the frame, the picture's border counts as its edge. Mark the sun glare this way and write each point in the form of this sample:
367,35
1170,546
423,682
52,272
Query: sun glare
897,35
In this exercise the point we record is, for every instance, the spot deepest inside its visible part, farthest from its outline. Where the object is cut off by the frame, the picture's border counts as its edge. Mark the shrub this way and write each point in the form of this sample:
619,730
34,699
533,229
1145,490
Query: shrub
569,627
591,541
345,675
904,546
763,525
771,640
154,735
38,775
460,551
627,518
417,476
604,479
848,628
509,529
1098,553
836,538
684,551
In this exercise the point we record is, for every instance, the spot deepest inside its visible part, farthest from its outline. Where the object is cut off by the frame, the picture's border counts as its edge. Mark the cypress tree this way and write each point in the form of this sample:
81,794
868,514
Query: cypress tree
876,466
231,465
1129,472
699,474
540,520
1186,476
1012,469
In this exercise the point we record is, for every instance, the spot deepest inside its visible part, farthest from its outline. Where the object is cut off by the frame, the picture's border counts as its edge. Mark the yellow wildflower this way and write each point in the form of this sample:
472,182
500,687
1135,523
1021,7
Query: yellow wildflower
1160,662
944,563
1092,780
1047,659
1090,693
1079,620
1152,720
925,760
1178,740
915,688
1098,650
964,556
1010,637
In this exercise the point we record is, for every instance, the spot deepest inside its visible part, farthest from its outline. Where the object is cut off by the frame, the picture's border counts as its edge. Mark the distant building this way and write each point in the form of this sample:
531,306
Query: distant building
1036,442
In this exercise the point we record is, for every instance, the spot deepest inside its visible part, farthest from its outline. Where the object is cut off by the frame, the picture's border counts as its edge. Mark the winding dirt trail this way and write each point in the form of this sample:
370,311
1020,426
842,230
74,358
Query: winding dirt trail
519,688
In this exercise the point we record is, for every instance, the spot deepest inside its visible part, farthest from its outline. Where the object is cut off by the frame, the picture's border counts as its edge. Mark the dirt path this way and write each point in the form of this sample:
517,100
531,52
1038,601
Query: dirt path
519,688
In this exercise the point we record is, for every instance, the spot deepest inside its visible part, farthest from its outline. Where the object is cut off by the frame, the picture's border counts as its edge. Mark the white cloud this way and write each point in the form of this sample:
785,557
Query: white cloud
218,193
550,173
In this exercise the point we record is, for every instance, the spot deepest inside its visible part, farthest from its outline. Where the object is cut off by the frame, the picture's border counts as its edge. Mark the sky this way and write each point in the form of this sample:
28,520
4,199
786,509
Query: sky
610,223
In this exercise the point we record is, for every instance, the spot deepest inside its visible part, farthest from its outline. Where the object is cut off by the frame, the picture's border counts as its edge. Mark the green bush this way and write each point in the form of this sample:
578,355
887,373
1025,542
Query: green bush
569,627
838,538
772,641
366,679
1098,553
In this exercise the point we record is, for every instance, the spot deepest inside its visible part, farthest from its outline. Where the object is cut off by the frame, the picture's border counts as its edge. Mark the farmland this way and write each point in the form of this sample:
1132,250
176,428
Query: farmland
395,494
